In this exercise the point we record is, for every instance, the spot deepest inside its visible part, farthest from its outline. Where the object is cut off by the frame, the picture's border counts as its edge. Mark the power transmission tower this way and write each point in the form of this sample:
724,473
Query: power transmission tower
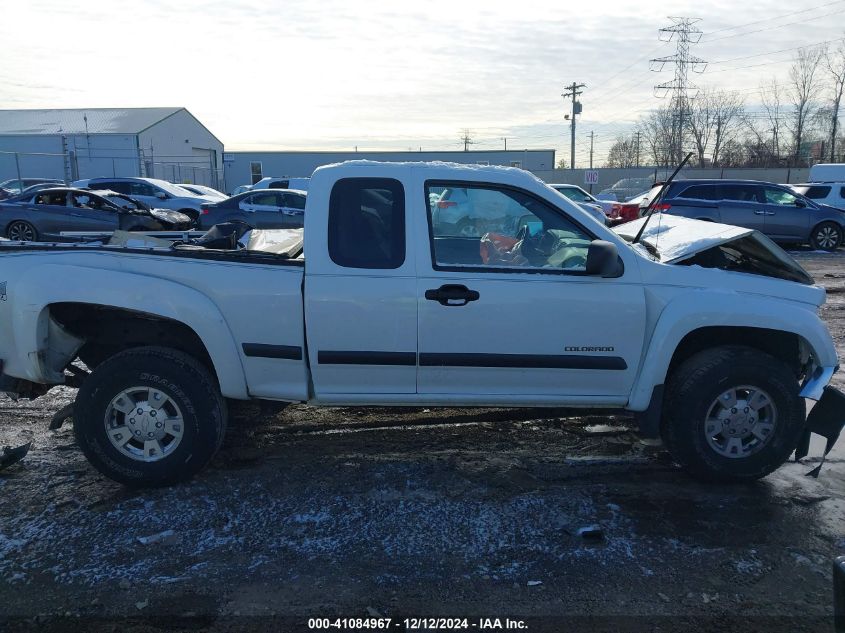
685,33
573,92
467,140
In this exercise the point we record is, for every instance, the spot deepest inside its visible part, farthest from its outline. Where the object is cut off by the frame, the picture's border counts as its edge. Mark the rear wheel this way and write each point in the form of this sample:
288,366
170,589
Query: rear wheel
732,414
20,231
149,416
827,236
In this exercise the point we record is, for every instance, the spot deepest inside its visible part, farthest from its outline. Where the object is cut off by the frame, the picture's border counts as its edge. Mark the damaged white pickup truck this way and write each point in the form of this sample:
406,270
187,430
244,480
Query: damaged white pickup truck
423,284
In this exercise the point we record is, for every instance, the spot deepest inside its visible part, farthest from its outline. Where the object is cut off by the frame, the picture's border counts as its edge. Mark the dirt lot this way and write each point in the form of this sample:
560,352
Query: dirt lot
397,512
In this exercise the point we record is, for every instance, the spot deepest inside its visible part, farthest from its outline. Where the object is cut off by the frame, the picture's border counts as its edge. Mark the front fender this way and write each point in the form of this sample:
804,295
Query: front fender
693,310
37,288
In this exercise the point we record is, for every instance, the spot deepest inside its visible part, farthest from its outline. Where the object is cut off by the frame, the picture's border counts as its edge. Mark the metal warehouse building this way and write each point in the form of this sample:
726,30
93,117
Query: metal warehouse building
246,168
168,143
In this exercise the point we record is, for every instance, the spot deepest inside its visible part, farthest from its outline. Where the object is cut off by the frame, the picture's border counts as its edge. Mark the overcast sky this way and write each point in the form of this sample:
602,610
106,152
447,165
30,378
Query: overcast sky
387,74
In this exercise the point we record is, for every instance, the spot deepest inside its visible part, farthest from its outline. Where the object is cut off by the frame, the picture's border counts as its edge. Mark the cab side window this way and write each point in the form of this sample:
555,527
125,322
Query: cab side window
495,227
367,223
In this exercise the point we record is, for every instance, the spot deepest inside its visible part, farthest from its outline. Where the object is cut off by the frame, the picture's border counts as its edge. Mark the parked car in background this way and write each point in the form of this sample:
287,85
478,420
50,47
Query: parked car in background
300,184
152,192
584,200
625,189
577,194
775,210
16,185
241,189
829,193
265,209
632,209
46,213
202,190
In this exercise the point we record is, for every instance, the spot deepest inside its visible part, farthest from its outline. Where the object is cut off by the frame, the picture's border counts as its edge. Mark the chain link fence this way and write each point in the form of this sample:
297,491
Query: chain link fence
70,166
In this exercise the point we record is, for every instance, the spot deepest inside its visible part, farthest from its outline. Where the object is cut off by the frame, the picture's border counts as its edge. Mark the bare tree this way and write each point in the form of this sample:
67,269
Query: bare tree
658,134
834,63
623,152
802,91
715,117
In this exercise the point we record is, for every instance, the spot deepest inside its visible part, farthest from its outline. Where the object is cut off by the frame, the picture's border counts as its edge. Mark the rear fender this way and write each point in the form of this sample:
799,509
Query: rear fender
48,348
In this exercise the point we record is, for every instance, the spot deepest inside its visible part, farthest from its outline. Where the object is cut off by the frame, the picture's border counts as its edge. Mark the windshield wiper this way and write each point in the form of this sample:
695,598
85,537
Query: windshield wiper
649,210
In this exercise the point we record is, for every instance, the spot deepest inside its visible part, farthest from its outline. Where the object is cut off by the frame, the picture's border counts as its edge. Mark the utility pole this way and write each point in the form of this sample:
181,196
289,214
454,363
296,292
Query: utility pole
573,92
467,140
685,33
637,135
592,137
505,139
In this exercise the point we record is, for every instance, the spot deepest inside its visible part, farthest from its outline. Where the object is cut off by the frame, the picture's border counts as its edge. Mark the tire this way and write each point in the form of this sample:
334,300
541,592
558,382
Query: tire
709,451
21,231
827,236
182,389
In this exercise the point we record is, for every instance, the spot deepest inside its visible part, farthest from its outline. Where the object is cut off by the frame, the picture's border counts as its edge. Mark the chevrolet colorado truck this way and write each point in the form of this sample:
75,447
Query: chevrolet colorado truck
708,333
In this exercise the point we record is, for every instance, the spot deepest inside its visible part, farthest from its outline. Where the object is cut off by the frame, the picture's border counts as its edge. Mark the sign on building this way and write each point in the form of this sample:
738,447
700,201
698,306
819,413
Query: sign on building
591,177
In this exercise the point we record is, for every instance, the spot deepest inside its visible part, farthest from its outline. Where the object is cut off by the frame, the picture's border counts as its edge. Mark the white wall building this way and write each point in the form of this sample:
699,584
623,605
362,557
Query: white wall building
168,143
246,168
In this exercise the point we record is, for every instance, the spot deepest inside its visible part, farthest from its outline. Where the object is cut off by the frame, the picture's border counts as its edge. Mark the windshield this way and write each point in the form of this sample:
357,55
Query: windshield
173,190
573,193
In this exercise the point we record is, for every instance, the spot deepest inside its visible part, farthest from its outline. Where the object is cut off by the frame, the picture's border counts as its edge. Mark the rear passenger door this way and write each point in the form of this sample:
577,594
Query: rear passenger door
741,204
360,306
49,212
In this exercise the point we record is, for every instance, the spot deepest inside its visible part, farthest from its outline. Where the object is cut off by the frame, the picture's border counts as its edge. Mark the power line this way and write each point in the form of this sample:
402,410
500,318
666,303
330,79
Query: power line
776,26
774,17
783,50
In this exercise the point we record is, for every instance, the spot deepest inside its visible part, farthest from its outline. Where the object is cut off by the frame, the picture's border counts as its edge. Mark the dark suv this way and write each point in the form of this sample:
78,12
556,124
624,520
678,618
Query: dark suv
774,210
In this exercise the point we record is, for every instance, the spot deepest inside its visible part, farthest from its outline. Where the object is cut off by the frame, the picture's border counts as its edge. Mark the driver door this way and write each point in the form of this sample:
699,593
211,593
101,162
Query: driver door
509,314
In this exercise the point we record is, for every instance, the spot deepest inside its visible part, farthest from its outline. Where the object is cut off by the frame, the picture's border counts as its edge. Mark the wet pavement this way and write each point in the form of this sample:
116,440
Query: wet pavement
413,512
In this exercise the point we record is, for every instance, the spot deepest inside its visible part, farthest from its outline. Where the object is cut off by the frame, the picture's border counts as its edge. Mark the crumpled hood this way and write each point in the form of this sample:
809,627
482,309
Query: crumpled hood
675,237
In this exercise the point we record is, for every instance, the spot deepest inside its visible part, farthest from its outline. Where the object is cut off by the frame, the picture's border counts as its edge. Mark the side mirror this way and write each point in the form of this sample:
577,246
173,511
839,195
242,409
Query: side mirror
603,259
800,203
161,195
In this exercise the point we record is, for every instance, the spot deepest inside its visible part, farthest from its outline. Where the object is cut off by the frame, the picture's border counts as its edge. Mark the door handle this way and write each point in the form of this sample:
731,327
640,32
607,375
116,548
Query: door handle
759,213
452,295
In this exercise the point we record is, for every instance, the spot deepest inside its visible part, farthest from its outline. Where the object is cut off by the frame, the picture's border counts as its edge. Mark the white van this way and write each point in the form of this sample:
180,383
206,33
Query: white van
827,172
285,182
826,185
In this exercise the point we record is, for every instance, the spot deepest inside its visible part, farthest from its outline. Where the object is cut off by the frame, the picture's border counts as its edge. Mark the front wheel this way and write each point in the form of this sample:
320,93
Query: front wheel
20,231
149,416
827,236
732,413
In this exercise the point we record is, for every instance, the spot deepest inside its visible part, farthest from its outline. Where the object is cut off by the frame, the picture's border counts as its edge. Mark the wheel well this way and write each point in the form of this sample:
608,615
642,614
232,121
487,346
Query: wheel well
108,330
784,346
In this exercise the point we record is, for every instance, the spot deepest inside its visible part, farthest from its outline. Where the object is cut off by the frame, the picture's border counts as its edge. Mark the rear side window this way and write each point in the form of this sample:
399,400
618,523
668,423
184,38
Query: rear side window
842,192
279,184
367,223
816,192
700,192
118,187
740,193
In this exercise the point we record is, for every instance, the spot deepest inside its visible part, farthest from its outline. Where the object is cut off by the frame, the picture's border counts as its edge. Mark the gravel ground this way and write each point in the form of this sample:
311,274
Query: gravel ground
408,512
